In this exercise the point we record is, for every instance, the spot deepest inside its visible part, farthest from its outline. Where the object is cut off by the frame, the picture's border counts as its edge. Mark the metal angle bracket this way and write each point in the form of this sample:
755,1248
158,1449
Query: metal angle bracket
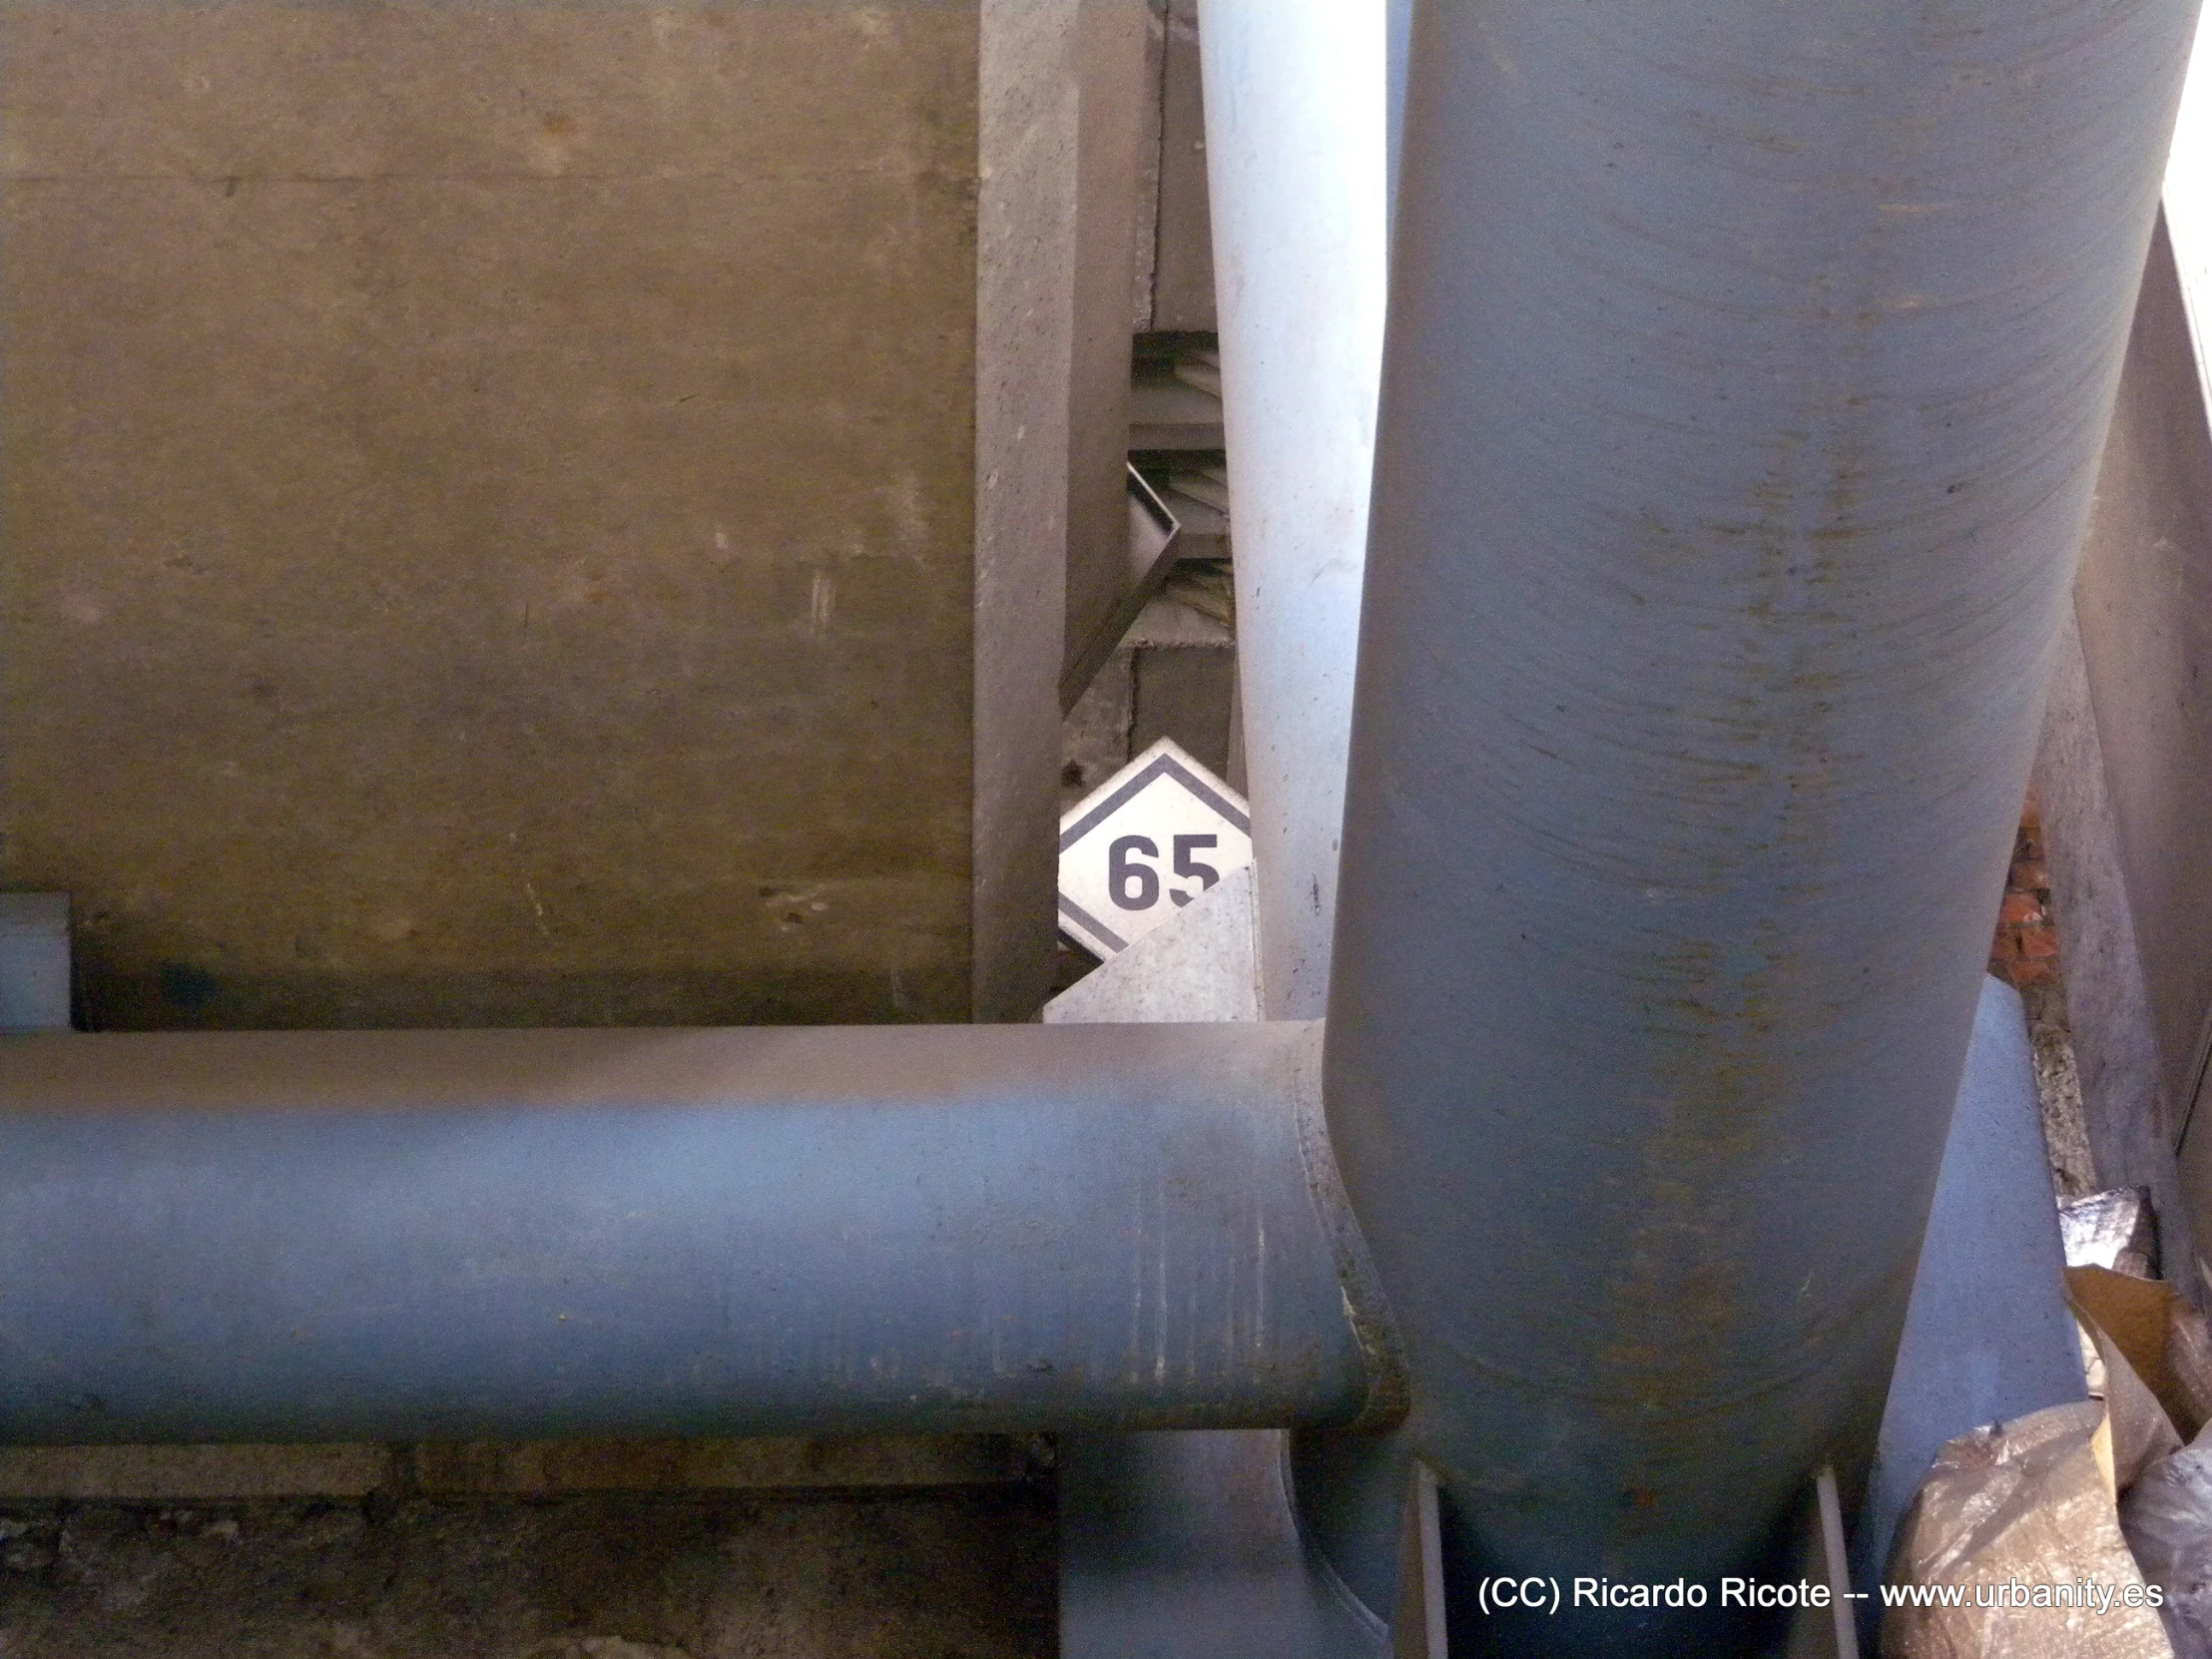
1154,537
1184,1545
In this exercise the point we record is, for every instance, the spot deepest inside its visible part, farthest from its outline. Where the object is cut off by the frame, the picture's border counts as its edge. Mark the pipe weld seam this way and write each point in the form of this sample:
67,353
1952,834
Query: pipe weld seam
1366,1309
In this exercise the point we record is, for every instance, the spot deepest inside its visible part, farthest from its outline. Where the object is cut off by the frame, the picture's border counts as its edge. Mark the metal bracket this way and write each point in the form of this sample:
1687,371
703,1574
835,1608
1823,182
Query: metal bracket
1176,1545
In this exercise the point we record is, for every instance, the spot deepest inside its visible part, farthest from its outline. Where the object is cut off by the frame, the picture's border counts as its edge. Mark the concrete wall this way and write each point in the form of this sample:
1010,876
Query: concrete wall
1183,256
2144,605
1119,108
491,528
668,1575
1027,226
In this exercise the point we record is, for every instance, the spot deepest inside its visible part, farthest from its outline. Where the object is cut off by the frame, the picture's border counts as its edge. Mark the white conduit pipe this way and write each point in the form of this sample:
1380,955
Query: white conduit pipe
1296,140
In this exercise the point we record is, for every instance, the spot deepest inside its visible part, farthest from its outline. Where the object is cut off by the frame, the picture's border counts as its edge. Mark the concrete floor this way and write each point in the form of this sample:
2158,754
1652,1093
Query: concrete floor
942,1574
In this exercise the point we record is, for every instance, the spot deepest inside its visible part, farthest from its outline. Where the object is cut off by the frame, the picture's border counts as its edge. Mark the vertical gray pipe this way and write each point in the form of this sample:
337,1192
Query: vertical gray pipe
1746,373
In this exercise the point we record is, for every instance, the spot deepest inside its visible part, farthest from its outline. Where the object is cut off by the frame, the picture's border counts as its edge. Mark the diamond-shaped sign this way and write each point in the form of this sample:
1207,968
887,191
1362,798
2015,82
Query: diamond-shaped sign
1143,845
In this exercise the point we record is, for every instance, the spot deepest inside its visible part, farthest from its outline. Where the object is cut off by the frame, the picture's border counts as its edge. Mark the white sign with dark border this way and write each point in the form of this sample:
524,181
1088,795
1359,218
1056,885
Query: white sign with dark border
1143,845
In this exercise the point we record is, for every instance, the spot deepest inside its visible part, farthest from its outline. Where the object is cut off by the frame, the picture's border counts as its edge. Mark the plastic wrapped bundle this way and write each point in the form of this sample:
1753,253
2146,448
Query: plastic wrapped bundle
2017,1523
2116,1228
2167,1518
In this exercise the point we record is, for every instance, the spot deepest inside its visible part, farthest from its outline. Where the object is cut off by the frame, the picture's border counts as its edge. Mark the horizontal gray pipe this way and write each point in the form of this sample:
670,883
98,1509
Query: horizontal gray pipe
455,1234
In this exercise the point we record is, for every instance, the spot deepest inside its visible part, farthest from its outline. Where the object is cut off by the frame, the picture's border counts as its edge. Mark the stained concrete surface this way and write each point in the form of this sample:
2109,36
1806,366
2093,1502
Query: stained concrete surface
941,1574
2127,1122
2143,606
172,1474
488,508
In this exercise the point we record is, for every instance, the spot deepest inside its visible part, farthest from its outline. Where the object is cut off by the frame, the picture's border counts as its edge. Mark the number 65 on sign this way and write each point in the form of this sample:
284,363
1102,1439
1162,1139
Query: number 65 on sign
1143,845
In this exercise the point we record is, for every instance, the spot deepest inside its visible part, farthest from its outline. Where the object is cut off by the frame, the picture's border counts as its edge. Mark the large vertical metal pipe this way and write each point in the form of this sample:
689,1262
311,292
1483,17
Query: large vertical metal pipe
1296,140
1748,370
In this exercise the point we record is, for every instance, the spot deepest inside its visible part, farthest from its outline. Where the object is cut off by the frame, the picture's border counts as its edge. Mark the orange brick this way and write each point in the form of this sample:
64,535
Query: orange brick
2021,907
2038,941
2031,873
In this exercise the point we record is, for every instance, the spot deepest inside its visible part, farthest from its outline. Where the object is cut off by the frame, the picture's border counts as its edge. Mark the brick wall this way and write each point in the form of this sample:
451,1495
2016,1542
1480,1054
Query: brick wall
2024,953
